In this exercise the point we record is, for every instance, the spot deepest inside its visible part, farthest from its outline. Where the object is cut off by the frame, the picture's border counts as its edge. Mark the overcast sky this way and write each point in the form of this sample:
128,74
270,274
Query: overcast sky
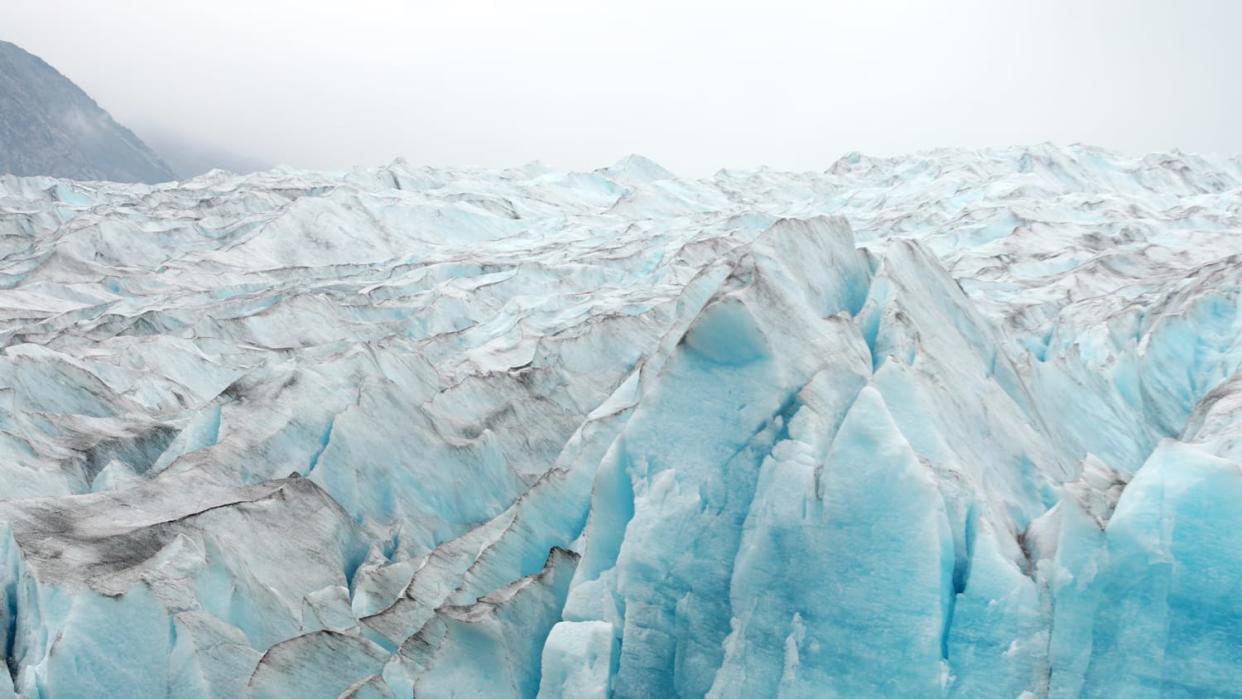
693,85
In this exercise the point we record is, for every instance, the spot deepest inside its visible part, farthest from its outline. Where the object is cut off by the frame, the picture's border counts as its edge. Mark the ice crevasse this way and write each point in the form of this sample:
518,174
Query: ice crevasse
959,424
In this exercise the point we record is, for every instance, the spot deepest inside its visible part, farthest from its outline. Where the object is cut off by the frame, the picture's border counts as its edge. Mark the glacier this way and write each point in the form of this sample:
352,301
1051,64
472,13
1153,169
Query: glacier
960,423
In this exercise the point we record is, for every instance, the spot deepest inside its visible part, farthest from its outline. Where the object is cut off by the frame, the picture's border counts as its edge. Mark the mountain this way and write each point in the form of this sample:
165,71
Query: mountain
956,424
49,126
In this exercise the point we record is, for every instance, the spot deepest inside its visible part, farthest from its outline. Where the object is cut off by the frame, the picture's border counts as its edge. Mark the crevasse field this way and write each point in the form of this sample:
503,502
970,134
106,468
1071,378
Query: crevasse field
960,424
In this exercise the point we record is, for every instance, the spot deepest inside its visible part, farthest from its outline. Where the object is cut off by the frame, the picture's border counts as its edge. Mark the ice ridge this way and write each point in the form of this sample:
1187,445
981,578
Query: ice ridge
960,424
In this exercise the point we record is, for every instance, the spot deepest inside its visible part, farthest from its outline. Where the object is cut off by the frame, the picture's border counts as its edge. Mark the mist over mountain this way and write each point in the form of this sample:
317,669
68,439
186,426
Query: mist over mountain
189,156
49,126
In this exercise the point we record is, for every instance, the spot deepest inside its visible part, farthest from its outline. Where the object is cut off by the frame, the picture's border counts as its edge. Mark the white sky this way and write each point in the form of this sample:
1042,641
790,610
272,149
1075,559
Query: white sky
693,85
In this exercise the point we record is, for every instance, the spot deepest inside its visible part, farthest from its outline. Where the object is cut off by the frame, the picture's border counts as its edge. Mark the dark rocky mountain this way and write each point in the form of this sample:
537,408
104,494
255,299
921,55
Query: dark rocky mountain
49,126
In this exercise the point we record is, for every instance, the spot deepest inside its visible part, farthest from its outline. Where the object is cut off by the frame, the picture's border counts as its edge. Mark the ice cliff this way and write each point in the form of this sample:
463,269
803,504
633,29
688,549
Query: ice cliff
960,424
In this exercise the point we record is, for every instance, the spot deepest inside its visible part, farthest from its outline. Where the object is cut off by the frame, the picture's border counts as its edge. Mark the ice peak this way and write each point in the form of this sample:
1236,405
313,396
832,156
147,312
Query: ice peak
636,169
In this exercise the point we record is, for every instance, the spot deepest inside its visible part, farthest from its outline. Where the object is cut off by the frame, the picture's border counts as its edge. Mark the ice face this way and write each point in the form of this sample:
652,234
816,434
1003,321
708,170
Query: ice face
958,424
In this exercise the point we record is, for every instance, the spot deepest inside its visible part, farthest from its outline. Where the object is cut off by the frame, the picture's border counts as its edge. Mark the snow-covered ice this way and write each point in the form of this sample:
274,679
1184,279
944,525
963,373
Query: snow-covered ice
962,424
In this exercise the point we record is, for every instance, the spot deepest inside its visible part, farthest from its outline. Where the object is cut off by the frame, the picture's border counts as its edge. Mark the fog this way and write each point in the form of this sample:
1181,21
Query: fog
693,85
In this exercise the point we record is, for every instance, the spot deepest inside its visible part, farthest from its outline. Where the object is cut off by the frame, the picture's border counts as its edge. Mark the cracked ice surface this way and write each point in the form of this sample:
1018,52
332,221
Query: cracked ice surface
956,424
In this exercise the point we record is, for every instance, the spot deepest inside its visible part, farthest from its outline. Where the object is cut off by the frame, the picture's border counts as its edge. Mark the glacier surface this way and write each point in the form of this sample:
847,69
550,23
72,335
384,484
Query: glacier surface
960,424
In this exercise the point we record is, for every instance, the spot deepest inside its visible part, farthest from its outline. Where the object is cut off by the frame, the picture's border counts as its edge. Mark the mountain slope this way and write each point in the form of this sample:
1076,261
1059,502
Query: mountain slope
49,126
